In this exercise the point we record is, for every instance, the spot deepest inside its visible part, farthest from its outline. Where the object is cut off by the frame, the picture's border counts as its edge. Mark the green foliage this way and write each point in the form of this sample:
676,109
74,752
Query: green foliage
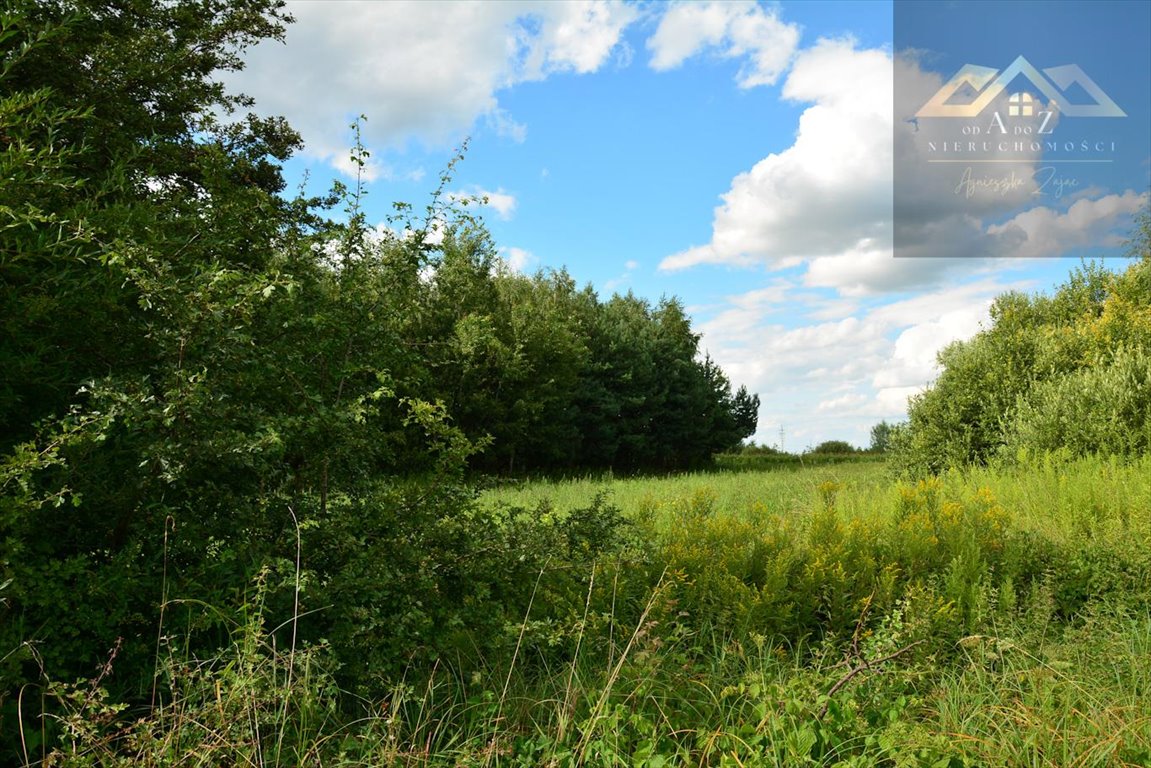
881,437
233,437
405,576
788,578
203,374
1064,372
560,380
1102,409
255,702
833,446
96,155
1037,654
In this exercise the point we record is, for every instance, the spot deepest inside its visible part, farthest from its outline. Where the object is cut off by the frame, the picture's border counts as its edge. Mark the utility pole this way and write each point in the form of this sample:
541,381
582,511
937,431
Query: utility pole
781,449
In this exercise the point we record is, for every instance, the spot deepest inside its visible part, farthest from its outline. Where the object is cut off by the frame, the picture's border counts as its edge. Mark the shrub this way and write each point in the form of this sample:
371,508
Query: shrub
1104,409
1066,371
833,446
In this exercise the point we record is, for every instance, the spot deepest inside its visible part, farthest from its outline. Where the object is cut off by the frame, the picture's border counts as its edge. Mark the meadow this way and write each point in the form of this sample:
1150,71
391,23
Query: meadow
992,616
826,616
782,489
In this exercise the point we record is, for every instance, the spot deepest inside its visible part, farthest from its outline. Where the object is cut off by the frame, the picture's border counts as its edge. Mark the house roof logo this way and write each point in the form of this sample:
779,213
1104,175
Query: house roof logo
987,83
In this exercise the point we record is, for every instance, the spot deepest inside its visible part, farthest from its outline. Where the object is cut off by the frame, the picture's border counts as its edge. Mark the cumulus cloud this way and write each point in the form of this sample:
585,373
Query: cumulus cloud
501,202
575,36
868,268
893,400
830,192
730,29
846,402
1043,231
944,196
423,71
865,180
741,320
843,374
912,360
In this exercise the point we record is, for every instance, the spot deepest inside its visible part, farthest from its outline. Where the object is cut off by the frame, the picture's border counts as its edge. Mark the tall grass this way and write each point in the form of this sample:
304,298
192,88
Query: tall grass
749,494
829,617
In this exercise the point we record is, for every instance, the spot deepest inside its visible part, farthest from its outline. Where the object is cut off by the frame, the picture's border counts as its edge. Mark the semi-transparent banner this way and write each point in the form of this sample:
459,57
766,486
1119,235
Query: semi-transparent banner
1021,129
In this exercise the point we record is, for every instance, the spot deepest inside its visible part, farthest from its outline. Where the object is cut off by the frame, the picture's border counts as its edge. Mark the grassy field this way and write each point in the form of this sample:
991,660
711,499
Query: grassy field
1016,627
749,495
1059,498
823,616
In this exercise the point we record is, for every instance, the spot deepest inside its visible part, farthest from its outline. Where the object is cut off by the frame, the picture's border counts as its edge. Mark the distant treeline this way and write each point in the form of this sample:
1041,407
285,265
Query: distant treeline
754,457
321,353
561,380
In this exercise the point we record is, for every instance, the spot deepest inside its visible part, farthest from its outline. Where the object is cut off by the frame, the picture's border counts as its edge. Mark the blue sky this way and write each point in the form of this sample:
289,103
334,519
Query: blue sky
738,155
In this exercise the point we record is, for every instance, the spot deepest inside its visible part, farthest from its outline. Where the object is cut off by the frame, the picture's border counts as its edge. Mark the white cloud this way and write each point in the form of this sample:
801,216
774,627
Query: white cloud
893,400
615,283
842,403
420,71
913,357
830,192
840,376
517,259
867,269
576,36
929,305
731,29
687,28
825,203
503,203
1042,231
501,121
369,170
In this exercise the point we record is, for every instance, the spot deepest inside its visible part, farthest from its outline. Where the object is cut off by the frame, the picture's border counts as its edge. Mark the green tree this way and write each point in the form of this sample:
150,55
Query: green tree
1036,377
548,328
833,446
202,374
111,130
654,404
881,437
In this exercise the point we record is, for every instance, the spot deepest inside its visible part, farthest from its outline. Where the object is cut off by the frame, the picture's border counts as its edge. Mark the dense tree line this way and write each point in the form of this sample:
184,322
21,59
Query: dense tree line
201,374
1069,373
126,196
559,379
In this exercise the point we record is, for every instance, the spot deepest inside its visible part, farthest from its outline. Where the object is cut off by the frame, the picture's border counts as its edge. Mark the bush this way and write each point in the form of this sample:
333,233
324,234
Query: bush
1066,371
833,446
792,578
1105,409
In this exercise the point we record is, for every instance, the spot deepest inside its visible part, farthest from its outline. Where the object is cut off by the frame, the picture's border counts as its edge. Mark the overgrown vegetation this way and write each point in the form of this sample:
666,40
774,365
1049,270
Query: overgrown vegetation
203,375
1067,372
975,619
